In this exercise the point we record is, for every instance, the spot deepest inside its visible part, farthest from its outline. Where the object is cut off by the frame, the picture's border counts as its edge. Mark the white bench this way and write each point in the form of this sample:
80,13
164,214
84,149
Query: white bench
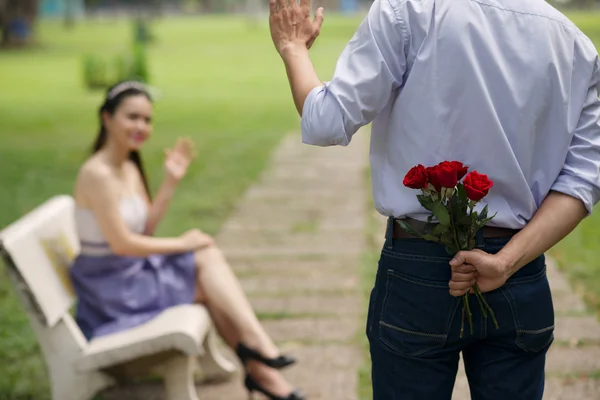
38,250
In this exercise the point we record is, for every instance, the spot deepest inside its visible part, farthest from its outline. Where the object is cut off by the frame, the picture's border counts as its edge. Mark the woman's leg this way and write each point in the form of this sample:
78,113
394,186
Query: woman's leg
223,293
232,314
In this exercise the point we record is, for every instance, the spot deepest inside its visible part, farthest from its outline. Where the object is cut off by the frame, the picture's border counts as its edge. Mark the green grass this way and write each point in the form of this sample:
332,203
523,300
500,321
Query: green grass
221,83
578,253
589,23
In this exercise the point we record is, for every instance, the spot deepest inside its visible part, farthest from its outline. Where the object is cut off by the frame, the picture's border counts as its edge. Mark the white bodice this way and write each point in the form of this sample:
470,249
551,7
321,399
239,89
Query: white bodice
133,211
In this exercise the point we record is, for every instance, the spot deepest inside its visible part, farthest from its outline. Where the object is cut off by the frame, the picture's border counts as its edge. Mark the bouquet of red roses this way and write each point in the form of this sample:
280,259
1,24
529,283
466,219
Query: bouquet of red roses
452,204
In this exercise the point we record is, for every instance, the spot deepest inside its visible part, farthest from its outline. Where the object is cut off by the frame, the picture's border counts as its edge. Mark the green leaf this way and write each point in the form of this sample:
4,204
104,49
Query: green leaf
431,238
462,193
441,213
409,228
464,220
451,250
447,237
456,207
483,214
425,201
463,239
484,222
471,244
440,229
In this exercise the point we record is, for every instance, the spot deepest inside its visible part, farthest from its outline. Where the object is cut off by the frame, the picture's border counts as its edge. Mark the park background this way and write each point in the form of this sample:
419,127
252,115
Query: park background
217,78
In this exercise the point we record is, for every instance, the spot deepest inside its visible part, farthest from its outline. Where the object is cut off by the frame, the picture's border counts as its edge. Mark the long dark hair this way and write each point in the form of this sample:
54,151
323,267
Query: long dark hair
114,97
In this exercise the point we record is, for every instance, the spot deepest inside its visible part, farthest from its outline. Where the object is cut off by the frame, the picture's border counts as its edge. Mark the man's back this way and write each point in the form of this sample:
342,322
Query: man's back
499,85
509,87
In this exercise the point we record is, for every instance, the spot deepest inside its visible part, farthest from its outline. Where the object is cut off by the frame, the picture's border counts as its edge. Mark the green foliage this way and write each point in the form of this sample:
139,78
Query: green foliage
142,32
132,66
441,213
456,220
99,73
139,68
95,72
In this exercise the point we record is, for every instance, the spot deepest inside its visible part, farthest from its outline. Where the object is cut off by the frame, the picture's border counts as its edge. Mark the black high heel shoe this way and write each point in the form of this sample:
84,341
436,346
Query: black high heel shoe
246,353
253,386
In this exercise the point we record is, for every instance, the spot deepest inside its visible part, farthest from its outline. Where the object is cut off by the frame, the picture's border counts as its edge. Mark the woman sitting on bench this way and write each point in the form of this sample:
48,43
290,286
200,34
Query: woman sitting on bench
124,276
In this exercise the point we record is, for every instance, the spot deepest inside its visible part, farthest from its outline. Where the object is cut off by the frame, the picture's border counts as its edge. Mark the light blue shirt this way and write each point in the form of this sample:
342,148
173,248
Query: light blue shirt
509,87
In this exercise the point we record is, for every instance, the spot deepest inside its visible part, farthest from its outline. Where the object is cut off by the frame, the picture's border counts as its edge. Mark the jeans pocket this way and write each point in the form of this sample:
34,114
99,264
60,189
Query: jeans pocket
416,314
533,312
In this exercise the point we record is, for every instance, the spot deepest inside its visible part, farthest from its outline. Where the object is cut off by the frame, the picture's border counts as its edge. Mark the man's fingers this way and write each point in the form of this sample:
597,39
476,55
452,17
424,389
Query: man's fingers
319,16
459,259
460,288
273,6
458,293
305,4
466,257
460,277
464,268
454,285
282,4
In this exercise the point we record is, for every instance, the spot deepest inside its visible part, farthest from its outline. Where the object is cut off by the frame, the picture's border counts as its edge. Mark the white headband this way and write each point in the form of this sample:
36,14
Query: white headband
120,88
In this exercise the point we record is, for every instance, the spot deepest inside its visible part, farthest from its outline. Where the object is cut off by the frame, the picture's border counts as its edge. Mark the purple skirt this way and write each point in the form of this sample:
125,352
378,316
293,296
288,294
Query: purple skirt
116,293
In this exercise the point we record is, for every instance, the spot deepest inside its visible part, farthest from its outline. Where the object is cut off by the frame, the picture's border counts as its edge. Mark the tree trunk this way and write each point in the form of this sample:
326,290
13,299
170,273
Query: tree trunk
206,6
29,10
17,20
8,14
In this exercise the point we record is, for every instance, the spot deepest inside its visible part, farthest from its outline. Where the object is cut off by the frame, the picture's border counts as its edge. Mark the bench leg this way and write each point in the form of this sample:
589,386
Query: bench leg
179,378
213,364
74,386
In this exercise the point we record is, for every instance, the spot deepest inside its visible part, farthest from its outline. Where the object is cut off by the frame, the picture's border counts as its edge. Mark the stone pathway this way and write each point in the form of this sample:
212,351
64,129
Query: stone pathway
573,363
295,241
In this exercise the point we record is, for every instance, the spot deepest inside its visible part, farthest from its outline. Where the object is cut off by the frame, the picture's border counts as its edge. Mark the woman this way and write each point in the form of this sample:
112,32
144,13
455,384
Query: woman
124,277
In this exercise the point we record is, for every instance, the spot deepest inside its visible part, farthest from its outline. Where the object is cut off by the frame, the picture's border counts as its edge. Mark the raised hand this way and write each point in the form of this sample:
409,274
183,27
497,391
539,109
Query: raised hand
178,159
291,25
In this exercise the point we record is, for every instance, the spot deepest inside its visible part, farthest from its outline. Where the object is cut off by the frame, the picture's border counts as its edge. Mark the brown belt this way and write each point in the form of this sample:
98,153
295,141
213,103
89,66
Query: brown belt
488,231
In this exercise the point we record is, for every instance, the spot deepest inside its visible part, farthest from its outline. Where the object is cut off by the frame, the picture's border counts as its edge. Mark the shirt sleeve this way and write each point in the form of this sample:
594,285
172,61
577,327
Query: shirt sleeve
370,68
580,176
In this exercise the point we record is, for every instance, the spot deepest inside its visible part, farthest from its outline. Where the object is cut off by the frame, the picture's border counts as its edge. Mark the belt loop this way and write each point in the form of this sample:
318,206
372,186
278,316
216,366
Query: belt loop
389,233
479,239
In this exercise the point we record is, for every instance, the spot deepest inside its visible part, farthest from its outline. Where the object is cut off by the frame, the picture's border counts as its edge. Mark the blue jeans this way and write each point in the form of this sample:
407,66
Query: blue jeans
413,328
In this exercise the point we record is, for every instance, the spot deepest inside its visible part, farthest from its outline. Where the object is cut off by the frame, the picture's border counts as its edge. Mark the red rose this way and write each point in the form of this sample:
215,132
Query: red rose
416,178
461,169
443,175
477,185
434,179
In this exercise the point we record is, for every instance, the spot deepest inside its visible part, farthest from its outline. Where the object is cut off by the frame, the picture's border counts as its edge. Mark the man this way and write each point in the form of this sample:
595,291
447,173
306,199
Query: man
510,88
